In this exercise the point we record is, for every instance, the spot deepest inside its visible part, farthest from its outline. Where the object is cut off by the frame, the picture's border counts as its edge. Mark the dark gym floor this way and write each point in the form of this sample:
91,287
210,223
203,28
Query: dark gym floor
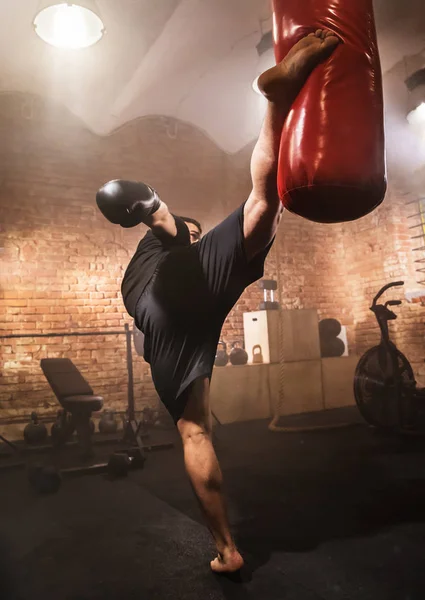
325,515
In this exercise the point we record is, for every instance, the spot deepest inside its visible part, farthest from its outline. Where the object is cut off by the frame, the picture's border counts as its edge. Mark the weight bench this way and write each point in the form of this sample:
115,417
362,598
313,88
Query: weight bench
76,397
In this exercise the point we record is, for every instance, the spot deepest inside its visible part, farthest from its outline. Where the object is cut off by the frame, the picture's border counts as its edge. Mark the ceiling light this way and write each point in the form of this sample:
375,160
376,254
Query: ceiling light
69,25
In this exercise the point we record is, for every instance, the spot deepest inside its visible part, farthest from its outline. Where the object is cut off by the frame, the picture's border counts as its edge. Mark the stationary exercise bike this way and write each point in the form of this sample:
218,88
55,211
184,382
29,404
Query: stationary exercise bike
384,384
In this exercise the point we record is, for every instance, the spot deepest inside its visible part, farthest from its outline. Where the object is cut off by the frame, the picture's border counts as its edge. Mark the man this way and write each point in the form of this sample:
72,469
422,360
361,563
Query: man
180,287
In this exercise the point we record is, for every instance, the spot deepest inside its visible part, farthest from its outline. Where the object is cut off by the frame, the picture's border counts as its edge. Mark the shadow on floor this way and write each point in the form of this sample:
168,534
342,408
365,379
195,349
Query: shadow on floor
293,493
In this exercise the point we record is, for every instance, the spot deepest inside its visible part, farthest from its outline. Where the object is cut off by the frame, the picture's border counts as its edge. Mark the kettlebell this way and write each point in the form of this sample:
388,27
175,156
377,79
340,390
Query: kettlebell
221,358
56,430
157,419
107,422
238,356
119,464
257,355
149,416
35,432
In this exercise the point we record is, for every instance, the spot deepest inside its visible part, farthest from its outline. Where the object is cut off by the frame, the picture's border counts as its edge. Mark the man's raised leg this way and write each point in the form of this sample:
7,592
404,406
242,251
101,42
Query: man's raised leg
280,85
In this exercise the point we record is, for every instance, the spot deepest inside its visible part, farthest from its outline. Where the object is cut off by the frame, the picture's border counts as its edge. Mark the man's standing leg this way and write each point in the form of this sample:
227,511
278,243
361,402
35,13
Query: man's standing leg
204,472
262,213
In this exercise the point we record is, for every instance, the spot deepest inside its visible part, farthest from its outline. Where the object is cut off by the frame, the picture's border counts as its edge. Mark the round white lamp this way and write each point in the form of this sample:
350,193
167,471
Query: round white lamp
69,25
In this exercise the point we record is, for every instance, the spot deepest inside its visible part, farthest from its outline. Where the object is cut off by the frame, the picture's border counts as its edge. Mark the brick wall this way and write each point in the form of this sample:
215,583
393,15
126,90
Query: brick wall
62,263
379,250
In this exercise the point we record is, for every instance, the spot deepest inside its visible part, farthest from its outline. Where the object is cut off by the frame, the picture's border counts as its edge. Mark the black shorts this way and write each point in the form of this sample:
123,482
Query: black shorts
185,304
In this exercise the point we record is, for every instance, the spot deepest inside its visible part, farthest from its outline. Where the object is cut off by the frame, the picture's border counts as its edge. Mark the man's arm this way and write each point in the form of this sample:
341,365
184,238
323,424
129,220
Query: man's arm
129,203
162,222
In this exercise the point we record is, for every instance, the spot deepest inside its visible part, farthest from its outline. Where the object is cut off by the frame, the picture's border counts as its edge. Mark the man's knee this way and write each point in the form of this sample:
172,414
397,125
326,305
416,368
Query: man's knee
193,431
196,421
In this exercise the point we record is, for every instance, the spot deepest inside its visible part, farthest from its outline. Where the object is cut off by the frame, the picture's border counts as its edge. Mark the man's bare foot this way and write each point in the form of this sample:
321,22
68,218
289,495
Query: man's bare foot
290,75
227,562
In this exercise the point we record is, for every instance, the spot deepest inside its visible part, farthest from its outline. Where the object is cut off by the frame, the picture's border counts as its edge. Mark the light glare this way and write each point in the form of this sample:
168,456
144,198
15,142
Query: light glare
68,26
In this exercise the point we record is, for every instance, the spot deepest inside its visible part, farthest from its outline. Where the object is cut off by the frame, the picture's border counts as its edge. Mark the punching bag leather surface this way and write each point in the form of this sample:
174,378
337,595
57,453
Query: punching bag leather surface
332,151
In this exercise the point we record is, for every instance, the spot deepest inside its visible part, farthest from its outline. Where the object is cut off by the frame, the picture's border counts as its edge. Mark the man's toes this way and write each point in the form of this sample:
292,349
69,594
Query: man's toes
311,34
331,41
318,33
331,34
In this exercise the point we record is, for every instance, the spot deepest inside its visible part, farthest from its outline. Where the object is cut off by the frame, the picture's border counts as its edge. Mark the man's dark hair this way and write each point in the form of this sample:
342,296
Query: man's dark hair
194,221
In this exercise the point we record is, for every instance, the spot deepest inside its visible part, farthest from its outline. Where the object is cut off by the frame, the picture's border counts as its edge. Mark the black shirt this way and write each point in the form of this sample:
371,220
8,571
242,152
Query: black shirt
150,252
187,293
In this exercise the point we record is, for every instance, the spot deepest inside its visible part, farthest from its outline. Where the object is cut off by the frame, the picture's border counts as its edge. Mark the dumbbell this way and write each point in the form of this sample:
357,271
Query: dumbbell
47,479
120,463
268,286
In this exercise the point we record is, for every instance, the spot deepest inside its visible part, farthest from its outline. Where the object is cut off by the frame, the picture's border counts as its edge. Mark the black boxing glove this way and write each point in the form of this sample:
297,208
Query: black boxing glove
127,203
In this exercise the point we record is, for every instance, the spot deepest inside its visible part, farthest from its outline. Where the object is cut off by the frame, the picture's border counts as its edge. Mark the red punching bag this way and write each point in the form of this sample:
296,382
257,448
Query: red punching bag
332,151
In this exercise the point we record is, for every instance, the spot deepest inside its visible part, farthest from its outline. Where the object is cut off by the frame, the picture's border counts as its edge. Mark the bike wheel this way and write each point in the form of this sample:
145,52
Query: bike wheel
375,387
